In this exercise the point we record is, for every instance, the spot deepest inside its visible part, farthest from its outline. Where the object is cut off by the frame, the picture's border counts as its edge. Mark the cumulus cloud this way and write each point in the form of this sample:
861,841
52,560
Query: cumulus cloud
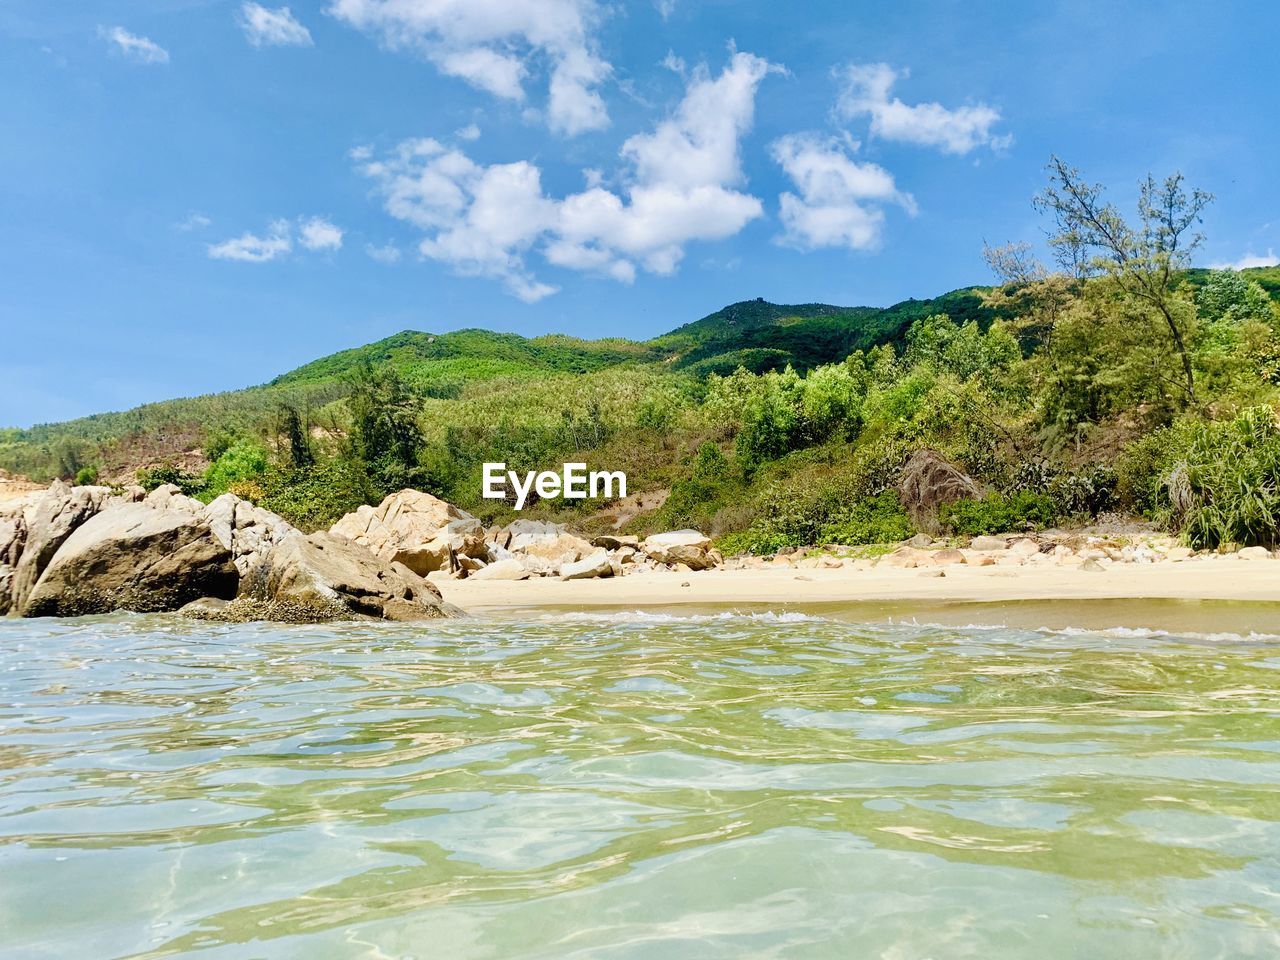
252,248
866,92
313,233
387,253
264,27
488,43
840,201
678,187
1269,259
318,233
139,49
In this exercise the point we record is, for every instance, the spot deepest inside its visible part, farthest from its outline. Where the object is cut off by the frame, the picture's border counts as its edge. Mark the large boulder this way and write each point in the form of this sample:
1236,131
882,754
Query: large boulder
325,576
246,530
416,529
132,556
927,482
56,516
689,547
589,567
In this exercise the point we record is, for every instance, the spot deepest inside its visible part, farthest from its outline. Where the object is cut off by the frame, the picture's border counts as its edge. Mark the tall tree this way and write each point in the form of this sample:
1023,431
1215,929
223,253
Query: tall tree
1143,259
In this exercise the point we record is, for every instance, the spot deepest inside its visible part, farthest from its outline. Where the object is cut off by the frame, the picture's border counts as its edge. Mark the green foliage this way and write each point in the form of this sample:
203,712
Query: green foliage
828,515
1233,297
312,497
999,512
241,462
86,476
1227,487
150,479
385,439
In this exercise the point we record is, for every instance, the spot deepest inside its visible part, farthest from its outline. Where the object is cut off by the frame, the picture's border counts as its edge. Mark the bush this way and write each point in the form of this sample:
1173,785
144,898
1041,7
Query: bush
1000,513
242,461
86,476
188,483
830,515
880,519
1227,488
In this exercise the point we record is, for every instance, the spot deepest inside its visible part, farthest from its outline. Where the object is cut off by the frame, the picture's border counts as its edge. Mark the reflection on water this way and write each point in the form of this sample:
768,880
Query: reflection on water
636,786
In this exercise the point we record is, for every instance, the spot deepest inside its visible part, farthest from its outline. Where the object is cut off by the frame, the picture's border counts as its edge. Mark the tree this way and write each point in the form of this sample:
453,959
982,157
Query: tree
1143,260
385,436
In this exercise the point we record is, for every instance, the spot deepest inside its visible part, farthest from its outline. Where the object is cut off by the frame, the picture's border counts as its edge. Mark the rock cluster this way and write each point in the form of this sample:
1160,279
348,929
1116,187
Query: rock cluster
1081,550
67,551
437,540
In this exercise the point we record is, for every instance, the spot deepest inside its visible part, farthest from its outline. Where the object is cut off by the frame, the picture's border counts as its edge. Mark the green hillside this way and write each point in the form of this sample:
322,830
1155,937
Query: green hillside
754,334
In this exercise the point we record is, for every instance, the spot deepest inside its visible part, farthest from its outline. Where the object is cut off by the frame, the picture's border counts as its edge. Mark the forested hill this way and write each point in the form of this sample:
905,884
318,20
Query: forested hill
754,334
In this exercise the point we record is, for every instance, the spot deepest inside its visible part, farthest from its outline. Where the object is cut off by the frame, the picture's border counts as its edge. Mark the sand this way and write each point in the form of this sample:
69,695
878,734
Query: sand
1221,593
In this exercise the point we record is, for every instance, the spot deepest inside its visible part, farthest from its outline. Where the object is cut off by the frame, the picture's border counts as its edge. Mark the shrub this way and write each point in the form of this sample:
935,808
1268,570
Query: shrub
242,461
1227,488
999,513
86,476
188,483
879,519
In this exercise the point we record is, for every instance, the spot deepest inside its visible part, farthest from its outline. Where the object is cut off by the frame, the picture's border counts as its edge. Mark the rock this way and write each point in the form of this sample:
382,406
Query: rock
1025,547
206,608
1254,553
595,565
904,557
615,541
688,547
133,556
987,544
556,550
55,517
521,533
919,541
244,529
169,496
932,573
946,558
416,529
927,482
13,537
502,570
1093,566
326,576
1178,554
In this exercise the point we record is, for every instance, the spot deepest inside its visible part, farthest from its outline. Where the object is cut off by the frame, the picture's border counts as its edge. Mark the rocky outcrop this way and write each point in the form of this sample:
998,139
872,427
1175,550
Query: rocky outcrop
590,567
132,556
328,577
422,532
927,482
688,547
88,550
56,516
247,531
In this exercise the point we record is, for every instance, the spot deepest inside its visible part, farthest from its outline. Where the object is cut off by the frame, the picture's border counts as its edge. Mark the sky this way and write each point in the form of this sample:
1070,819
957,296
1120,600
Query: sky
198,195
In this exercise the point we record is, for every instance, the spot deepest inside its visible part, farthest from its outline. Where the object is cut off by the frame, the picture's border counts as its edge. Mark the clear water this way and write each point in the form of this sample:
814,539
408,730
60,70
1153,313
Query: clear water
636,787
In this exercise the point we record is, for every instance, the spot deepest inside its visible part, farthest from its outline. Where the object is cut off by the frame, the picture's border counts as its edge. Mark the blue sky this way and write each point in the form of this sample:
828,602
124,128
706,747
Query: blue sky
197,195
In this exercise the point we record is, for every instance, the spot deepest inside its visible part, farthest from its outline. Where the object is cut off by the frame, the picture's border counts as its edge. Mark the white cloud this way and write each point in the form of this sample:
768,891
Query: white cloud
318,233
866,90
678,187
665,7
140,49
387,253
1250,260
195,221
469,132
840,202
251,248
264,27
488,43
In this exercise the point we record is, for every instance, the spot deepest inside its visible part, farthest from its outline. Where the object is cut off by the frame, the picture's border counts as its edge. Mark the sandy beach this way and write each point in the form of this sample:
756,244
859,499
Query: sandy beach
1217,594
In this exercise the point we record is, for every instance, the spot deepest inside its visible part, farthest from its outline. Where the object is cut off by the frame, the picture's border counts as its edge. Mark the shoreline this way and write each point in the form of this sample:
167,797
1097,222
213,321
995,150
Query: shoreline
1224,595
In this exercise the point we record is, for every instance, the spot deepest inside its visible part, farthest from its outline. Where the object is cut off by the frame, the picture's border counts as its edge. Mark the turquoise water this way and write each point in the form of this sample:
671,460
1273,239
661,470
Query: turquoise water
636,786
